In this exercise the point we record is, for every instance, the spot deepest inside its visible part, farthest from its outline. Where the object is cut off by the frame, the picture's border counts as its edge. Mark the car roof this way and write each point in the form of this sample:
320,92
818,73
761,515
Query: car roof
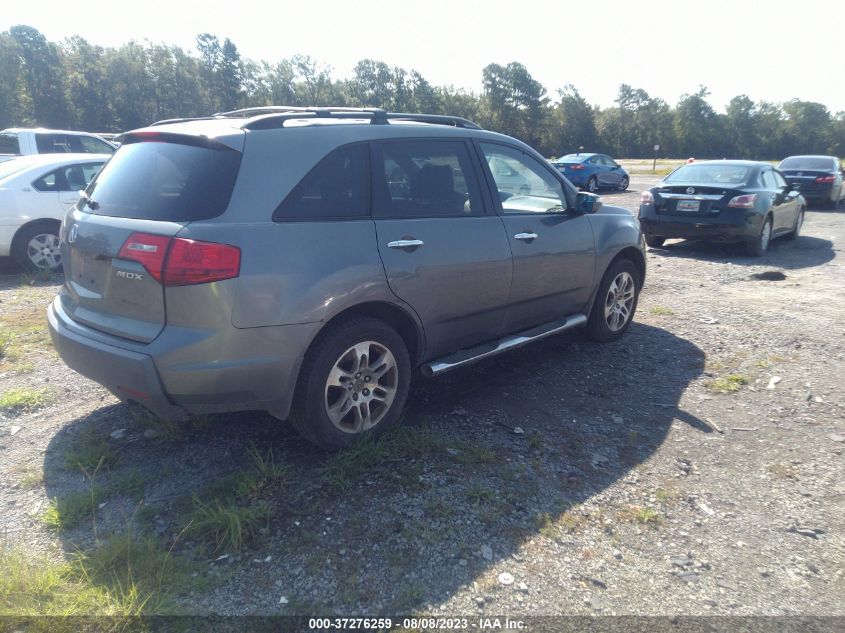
733,162
58,160
811,156
44,130
584,154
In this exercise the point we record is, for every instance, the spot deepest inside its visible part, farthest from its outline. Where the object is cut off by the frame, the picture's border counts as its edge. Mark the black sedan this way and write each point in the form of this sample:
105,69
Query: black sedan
722,201
820,178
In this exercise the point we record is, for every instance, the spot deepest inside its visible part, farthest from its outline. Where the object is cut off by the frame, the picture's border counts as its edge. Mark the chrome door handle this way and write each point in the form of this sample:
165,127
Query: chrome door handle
525,236
405,243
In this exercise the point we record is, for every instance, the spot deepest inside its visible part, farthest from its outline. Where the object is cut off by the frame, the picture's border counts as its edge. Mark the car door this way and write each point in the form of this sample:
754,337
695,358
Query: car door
789,207
776,199
42,199
553,247
598,170
614,172
442,253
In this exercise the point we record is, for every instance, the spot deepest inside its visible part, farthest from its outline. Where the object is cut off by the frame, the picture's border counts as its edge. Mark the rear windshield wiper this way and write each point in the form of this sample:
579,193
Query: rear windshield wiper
88,200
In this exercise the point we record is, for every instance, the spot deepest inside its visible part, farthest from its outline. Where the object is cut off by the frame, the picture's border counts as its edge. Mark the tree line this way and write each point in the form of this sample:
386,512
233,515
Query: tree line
75,84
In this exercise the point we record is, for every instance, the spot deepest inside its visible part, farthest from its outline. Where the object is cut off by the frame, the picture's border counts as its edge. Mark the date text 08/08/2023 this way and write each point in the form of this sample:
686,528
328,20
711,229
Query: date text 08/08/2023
378,624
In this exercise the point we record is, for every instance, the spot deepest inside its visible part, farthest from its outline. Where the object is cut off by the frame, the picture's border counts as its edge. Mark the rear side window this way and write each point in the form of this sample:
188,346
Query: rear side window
338,187
9,144
166,181
91,145
417,179
53,144
69,178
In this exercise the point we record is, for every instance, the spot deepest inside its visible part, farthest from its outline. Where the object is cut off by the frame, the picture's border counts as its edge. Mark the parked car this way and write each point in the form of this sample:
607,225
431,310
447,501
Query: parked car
593,171
264,261
35,193
724,201
820,178
23,142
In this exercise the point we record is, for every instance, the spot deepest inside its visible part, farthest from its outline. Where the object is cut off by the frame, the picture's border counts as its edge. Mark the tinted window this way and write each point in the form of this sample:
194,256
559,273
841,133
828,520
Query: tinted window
524,184
817,163
424,179
91,145
50,182
9,144
780,183
53,143
166,181
768,179
336,188
717,173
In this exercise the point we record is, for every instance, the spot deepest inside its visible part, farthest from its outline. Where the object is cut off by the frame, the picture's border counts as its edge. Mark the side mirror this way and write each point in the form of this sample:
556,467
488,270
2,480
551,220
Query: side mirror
586,202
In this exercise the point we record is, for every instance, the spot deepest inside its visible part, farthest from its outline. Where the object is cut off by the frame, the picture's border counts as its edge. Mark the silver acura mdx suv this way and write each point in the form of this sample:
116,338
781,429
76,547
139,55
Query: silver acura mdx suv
304,261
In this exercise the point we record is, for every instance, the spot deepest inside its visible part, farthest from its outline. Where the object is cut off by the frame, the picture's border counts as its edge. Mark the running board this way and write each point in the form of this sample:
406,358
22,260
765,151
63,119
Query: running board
473,354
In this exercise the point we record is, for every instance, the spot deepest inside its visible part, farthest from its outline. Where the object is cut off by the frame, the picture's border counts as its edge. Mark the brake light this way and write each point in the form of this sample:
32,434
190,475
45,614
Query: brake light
743,202
176,261
148,250
647,197
825,179
191,262
576,167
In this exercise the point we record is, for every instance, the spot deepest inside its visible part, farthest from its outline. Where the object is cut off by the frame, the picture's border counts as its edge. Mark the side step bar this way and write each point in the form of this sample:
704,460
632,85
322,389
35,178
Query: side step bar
473,354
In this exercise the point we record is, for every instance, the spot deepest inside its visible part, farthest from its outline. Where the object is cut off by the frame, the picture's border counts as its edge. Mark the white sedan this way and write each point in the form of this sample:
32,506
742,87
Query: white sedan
35,193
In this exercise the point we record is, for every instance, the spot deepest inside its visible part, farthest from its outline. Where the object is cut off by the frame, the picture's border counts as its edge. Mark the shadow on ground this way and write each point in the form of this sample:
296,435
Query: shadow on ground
488,457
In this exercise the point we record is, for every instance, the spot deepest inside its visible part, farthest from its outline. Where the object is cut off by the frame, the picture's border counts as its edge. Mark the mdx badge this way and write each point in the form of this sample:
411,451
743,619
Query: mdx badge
127,275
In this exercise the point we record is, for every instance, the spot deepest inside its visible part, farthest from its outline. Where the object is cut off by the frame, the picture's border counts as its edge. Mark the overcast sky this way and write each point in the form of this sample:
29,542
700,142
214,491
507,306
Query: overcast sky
771,51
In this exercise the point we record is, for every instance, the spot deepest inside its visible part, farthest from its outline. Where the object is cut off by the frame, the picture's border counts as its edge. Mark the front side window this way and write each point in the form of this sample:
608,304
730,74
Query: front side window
769,180
414,179
524,184
780,183
338,187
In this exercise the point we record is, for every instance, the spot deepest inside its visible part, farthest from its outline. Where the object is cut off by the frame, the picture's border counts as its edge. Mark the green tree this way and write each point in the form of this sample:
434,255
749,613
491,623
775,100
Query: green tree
43,77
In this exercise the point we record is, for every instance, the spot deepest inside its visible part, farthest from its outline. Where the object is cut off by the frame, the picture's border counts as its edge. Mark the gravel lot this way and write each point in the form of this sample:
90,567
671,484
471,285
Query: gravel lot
694,467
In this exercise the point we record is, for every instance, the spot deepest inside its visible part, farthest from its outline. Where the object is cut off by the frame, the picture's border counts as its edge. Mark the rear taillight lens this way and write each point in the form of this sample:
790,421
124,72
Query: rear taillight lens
148,250
647,198
192,262
825,179
576,167
743,202
175,261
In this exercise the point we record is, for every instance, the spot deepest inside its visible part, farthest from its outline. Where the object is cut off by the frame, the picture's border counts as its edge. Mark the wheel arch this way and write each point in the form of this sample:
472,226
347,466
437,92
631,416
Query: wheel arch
51,221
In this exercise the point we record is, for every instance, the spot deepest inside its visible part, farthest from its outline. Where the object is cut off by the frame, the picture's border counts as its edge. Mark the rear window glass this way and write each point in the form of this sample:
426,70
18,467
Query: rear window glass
817,163
166,181
573,158
9,144
716,173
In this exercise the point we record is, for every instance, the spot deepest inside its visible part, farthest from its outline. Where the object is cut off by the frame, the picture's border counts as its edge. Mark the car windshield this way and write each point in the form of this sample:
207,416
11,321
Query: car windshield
811,163
716,173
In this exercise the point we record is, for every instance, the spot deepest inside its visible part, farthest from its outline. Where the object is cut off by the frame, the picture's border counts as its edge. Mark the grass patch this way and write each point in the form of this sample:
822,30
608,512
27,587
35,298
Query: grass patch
476,455
31,477
728,384
90,452
23,400
478,495
642,515
344,469
70,510
230,526
662,311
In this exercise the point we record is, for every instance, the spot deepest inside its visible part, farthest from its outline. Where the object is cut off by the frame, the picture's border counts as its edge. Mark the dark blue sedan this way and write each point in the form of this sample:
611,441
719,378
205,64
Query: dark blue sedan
593,171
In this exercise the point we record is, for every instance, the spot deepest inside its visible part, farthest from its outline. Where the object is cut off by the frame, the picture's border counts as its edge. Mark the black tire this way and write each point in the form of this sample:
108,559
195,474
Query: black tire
796,230
654,242
758,246
623,184
310,416
592,184
27,258
598,328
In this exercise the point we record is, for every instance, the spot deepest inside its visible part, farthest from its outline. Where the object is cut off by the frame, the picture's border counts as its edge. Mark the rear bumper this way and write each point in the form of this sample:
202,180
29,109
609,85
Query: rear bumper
128,375
738,228
184,373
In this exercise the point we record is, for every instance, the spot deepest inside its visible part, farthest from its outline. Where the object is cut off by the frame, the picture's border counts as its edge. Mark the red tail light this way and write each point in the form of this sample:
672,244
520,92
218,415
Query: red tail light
175,261
825,179
191,262
576,167
647,197
743,202
148,250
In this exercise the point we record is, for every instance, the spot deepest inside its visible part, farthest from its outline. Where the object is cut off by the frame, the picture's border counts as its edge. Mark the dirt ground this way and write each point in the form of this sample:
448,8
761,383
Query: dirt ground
693,467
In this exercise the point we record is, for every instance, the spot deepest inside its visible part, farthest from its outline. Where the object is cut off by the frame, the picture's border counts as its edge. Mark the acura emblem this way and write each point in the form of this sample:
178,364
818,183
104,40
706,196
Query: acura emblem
690,190
71,236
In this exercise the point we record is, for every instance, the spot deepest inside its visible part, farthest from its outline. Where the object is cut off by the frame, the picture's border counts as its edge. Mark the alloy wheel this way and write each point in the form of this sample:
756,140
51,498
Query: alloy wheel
619,301
361,387
43,251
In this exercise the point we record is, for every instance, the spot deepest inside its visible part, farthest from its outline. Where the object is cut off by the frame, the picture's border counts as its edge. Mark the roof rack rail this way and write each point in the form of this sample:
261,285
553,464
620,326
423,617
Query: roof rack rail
275,116
182,120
